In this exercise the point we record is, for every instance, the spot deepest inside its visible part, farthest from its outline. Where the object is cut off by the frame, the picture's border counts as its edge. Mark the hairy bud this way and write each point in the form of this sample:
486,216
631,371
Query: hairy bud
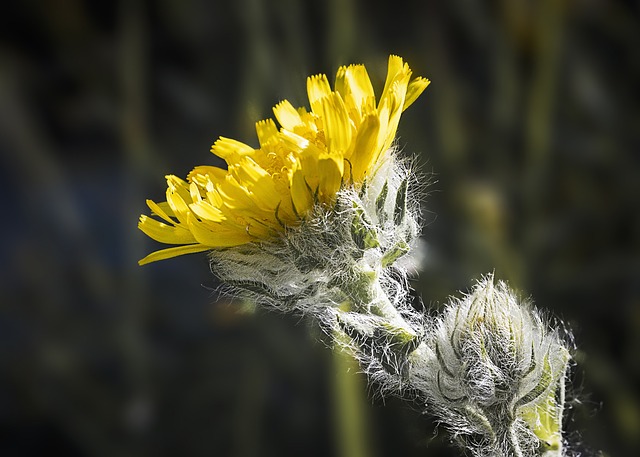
495,374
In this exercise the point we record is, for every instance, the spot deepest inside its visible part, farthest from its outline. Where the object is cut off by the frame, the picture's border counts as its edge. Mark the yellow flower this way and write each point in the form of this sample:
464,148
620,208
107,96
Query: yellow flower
340,142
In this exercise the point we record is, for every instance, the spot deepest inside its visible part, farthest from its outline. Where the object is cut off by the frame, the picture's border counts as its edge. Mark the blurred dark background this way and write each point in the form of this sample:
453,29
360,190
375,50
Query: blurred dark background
530,130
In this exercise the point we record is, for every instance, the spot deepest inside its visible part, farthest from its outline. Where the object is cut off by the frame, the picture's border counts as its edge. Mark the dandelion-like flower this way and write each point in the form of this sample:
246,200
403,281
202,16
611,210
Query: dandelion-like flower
340,143
315,219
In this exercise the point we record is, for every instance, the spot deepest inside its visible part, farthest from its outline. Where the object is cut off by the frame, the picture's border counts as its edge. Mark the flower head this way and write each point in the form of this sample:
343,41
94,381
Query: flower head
341,142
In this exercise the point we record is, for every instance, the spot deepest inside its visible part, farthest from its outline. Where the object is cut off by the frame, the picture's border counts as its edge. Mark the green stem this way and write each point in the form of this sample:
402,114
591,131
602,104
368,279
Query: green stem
368,297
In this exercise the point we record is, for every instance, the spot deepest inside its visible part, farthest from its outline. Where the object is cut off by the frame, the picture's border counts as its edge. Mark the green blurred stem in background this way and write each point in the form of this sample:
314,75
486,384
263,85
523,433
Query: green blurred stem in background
349,402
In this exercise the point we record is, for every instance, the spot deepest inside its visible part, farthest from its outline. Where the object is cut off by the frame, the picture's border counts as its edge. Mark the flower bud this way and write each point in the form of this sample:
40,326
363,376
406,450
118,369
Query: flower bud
496,377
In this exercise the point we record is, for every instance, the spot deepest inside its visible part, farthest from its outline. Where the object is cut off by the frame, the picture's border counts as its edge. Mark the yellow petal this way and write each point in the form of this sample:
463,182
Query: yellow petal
258,182
246,170
159,211
216,235
309,119
341,81
344,89
416,87
194,191
229,149
205,173
267,132
337,125
366,150
206,210
234,194
301,195
395,70
177,204
163,233
295,143
173,252
359,85
287,115
240,203
178,185
392,107
214,197
330,169
317,88
164,206
360,99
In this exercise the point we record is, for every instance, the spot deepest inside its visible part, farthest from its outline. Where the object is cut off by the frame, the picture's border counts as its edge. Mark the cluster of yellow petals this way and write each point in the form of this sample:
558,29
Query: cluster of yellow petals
305,162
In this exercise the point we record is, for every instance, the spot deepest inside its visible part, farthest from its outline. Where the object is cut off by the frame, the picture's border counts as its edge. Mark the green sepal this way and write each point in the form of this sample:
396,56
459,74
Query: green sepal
401,203
394,254
363,189
362,232
380,202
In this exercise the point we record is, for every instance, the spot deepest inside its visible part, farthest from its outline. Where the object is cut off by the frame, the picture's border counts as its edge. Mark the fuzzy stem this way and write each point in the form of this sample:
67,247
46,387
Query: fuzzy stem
515,449
369,297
